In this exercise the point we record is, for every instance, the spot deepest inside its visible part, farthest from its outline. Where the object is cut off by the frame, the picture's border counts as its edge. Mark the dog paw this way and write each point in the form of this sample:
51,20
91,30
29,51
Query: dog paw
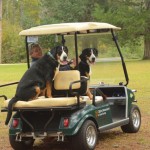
48,96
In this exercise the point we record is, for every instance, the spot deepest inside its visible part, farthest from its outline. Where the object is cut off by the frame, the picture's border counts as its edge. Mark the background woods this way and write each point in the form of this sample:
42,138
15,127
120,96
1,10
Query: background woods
133,16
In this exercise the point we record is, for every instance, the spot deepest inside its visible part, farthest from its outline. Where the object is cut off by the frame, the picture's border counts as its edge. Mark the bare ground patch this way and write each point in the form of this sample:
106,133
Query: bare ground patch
112,139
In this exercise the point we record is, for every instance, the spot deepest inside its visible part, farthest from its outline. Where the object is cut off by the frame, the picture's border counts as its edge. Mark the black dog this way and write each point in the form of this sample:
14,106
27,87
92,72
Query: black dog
60,53
88,57
36,79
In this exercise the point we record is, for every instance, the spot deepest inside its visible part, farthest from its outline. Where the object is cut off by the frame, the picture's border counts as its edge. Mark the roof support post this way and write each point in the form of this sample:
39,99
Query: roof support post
27,52
63,40
76,49
122,60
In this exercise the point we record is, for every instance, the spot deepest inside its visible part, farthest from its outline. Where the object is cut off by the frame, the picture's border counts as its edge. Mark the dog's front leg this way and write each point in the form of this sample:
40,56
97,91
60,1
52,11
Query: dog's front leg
87,75
43,92
38,91
89,94
48,89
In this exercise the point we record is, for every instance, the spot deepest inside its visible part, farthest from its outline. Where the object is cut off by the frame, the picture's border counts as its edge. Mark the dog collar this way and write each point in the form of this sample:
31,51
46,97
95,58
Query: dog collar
49,53
56,72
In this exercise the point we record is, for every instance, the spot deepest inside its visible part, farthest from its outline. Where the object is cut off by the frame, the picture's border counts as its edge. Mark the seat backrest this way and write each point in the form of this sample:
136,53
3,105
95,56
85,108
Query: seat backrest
64,78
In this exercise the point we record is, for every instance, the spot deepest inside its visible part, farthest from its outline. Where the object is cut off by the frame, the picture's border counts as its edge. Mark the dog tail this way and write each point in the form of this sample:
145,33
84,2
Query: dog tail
10,107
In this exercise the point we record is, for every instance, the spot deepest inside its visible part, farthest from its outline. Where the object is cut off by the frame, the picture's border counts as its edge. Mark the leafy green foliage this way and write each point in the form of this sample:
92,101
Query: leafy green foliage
67,11
131,15
17,15
13,49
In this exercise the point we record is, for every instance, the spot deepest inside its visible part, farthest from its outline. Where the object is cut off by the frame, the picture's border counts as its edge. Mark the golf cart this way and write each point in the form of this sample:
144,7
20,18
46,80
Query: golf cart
76,119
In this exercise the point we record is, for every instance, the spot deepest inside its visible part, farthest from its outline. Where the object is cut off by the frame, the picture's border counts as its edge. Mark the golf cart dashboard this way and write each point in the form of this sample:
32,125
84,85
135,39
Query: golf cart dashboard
114,94
111,91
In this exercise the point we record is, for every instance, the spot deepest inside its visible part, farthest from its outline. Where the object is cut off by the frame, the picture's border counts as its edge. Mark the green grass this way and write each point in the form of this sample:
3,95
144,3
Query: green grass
139,75
11,73
111,73
8,74
139,78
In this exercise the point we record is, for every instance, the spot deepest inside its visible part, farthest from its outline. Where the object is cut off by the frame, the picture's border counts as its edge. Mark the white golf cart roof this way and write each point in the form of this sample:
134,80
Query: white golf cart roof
69,28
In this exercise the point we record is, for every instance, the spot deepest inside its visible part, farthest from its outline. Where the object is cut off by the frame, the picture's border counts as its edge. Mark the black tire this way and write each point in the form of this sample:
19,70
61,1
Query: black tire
86,138
25,144
134,121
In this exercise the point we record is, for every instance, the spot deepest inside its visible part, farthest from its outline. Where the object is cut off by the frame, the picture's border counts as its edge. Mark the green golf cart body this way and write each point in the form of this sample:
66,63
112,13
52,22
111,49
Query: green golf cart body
80,120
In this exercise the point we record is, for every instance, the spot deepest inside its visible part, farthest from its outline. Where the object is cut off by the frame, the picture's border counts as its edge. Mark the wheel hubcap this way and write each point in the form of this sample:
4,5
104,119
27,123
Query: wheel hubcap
91,136
136,118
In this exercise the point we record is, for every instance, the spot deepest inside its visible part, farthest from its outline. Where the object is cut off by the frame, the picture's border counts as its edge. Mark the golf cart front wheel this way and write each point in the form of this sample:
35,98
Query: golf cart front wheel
25,144
134,121
86,138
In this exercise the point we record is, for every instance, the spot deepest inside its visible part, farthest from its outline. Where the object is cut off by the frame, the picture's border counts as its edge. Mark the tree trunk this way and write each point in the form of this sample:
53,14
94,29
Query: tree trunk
21,14
147,34
146,48
0,31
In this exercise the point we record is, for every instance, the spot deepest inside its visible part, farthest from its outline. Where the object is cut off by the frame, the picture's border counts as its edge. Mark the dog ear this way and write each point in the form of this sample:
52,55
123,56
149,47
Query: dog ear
53,62
95,51
66,49
84,52
54,52
83,55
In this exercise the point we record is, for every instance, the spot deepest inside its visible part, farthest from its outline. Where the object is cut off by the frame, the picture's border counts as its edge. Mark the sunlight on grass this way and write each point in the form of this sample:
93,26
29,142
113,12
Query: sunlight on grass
9,74
109,73
139,78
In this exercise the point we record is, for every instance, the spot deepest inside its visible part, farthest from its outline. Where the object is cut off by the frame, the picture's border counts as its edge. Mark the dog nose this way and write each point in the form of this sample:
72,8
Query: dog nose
65,57
93,59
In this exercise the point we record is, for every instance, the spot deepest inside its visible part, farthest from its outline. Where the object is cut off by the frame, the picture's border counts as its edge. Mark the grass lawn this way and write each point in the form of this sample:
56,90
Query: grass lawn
8,74
139,79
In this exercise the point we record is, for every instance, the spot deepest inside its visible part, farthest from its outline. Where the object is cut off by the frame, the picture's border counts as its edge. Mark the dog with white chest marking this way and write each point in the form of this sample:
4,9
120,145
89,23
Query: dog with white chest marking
88,57
38,78
60,53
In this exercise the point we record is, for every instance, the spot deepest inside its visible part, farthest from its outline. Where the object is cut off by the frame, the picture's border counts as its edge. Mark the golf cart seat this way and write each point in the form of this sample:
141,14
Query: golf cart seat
64,80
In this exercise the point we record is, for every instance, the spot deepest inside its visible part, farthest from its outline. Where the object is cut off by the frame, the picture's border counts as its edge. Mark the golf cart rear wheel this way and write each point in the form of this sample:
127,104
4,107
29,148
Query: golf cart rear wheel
86,138
25,144
134,121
